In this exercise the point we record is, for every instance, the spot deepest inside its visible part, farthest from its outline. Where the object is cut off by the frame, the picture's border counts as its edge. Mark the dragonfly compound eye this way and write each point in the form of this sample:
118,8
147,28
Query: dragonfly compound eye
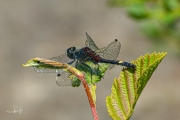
70,52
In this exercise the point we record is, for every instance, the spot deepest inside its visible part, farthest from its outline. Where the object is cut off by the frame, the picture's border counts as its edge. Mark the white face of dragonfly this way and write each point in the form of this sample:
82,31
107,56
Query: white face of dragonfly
71,52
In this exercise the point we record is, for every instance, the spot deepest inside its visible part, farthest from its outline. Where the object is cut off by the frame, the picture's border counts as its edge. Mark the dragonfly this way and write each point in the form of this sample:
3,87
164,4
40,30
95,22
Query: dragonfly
76,57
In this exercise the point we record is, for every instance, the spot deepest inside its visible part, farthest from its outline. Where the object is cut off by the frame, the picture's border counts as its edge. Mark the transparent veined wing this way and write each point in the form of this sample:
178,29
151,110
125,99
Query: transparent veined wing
65,78
47,70
62,59
90,43
110,52
62,79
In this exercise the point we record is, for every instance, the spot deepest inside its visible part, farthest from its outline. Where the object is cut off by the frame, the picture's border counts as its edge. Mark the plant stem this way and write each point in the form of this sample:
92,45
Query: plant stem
88,93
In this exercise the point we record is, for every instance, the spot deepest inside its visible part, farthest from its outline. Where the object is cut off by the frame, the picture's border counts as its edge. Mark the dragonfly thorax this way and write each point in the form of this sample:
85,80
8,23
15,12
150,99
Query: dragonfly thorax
82,54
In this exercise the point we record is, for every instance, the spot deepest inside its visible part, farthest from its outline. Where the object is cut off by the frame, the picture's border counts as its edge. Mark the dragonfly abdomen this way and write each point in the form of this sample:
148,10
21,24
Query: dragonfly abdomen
120,62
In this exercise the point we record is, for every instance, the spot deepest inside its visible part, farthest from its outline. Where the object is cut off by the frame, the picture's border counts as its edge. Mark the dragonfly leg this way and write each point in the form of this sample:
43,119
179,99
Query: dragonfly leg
71,62
98,69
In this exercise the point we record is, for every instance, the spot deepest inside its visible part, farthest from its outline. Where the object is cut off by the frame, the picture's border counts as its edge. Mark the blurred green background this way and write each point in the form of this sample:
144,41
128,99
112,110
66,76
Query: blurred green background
47,28
158,19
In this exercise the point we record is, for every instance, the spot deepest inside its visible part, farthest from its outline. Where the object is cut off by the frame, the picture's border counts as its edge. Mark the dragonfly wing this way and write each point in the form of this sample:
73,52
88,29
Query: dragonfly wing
110,52
63,79
47,70
62,58
90,43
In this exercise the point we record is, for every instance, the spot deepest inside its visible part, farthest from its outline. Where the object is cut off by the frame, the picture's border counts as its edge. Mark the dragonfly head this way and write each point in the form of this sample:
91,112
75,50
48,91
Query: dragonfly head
71,52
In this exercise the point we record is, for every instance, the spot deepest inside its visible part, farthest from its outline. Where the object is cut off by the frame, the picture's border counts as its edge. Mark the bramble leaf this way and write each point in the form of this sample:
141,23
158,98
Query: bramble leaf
128,86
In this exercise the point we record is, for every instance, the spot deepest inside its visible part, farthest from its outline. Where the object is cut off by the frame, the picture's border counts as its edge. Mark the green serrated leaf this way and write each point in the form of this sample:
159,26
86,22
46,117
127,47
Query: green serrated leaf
128,86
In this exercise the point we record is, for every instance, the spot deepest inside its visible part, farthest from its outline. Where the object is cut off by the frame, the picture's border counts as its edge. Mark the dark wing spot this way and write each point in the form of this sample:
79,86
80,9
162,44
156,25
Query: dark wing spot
58,74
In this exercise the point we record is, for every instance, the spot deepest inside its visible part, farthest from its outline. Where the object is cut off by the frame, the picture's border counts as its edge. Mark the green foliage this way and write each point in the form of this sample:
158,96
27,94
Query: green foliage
158,19
165,12
128,86
138,11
